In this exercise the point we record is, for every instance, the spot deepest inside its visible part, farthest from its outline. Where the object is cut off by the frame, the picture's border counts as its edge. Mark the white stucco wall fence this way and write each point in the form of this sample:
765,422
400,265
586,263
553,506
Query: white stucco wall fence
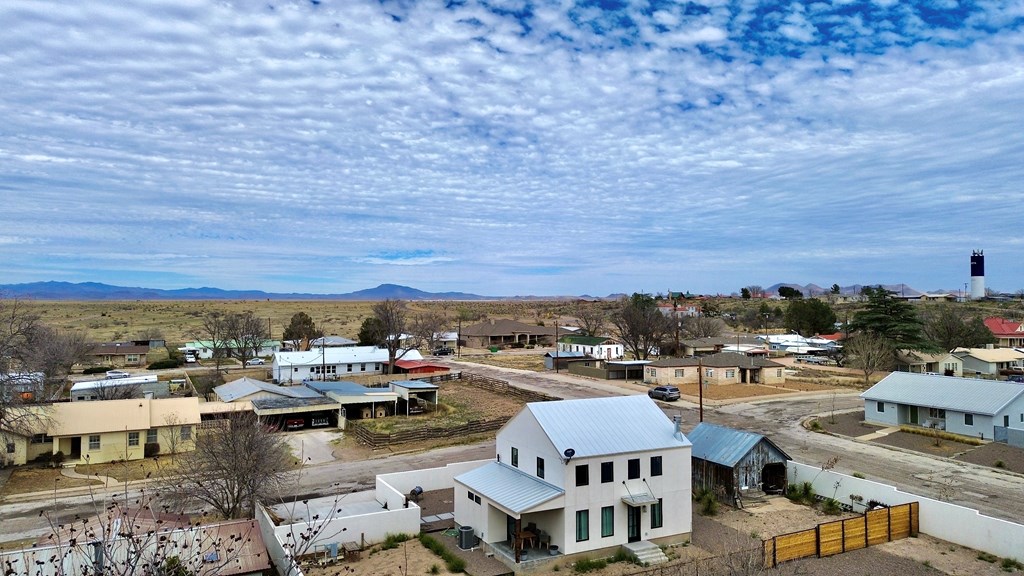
950,522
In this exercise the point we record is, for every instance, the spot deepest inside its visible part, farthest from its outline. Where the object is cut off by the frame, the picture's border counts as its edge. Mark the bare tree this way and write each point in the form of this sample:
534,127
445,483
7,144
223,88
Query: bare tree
114,390
245,335
214,329
54,353
233,466
702,327
640,324
755,291
173,437
427,326
869,353
21,380
950,326
393,319
591,317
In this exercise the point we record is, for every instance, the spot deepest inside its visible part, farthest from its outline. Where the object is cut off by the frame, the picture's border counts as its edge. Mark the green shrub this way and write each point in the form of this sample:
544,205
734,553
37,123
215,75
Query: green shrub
97,369
815,425
435,569
1011,565
986,557
163,364
451,561
858,475
807,492
830,506
150,449
393,540
1000,464
588,565
709,504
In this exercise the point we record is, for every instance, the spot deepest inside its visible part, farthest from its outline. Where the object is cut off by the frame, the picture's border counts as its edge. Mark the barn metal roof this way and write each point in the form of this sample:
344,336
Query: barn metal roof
725,446
599,426
509,487
970,395
245,386
414,384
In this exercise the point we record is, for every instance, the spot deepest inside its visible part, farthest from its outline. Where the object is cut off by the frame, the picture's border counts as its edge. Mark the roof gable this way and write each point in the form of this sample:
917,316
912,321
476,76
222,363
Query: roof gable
600,426
726,446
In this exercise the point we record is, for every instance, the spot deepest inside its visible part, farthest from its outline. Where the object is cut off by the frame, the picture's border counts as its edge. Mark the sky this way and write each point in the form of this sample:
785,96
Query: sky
511,147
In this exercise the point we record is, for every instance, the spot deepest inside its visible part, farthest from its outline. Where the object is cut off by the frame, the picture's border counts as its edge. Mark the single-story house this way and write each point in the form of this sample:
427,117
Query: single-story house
1009,333
358,401
594,346
505,332
204,349
561,359
332,342
733,462
608,369
944,363
580,477
721,368
716,344
332,363
119,354
989,360
112,430
968,406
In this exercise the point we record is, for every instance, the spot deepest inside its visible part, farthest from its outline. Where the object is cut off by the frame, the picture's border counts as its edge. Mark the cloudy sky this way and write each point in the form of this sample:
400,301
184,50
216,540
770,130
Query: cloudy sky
510,146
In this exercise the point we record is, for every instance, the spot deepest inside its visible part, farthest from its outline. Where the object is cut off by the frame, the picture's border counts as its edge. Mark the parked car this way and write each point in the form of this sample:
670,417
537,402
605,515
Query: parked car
1016,378
117,374
255,362
294,424
667,393
443,351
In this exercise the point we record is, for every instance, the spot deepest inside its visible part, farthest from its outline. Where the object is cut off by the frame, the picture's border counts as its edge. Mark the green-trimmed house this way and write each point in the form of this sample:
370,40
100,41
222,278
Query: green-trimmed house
594,346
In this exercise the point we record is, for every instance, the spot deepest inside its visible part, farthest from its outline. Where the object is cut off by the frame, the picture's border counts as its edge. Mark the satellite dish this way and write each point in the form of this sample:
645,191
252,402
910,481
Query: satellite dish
569,453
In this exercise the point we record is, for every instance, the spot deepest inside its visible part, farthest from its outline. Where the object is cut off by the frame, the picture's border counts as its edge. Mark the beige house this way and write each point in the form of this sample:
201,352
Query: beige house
113,430
119,354
990,361
943,363
505,332
722,368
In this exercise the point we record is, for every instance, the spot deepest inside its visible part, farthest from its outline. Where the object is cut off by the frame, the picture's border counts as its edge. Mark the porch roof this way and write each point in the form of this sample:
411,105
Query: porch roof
509,487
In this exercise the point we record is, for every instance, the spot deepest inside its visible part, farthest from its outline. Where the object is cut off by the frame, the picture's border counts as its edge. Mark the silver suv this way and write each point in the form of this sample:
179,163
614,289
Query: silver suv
667,393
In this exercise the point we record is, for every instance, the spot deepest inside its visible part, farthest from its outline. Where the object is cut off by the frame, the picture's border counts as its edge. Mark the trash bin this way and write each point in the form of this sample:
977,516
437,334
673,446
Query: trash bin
467,539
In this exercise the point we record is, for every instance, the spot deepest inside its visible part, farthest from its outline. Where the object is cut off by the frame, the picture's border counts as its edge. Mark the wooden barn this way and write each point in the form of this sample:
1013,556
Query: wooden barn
734,463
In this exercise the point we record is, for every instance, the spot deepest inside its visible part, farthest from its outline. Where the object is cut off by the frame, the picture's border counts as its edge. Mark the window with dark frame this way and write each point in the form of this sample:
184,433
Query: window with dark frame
515,457
656,516
540,467
655,465
633,469
968,419
582,525
607,472
881,407
582,474
607,521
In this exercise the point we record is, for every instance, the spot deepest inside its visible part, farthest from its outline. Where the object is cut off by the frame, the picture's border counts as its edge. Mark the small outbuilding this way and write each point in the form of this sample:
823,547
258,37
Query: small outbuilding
733,463
561,359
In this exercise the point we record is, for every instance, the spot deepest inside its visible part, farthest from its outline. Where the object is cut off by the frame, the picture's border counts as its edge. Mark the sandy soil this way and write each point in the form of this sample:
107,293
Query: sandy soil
847,424
989,454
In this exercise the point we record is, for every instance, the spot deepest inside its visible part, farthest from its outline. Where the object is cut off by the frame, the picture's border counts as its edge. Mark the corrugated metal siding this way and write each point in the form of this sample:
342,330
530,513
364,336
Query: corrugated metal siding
508,487
599,426
950,393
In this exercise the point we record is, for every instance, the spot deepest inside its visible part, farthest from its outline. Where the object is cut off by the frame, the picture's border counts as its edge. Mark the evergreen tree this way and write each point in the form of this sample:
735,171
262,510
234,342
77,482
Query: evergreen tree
888,317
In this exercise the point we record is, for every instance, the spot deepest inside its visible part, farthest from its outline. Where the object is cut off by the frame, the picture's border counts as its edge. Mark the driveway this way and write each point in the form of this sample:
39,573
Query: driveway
313,446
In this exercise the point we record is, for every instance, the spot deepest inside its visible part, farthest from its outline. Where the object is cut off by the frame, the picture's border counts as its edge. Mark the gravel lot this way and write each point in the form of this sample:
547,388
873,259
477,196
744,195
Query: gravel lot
848,424
989,454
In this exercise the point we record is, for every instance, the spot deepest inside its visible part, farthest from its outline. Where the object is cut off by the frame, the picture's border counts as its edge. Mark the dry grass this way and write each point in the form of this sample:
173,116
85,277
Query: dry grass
36,479
131,470
459,403
534,362
733,391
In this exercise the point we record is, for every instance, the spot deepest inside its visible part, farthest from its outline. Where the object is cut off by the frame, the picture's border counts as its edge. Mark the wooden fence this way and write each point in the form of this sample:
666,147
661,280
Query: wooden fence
874,527
503,387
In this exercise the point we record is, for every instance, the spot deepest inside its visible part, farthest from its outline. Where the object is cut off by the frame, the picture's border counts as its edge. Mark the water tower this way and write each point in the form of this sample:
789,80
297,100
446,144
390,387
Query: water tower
977,274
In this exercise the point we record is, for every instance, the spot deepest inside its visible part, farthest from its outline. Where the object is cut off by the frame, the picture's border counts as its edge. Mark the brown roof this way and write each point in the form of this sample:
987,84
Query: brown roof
117,349
720,360
506,327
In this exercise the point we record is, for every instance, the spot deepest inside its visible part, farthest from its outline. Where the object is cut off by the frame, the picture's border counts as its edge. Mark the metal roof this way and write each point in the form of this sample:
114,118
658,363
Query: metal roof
509,487
339,355
565,354
415,384
342,387
245,386
600,426
279,403
725,446
970,395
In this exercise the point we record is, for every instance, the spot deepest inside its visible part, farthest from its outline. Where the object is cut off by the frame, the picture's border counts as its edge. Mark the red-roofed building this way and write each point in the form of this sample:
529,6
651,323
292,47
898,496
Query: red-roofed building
1010,333
417,367
835,336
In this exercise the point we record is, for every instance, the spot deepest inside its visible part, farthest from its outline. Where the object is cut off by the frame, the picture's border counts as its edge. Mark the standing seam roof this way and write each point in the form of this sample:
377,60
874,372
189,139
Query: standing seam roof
725,446
509,487
971,395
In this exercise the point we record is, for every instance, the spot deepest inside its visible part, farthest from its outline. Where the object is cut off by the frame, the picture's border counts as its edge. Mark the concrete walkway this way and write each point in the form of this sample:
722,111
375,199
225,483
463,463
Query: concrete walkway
107,481
877,434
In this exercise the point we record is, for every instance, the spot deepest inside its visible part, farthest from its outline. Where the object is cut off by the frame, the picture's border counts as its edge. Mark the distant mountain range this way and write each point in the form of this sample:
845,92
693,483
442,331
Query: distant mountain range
99,291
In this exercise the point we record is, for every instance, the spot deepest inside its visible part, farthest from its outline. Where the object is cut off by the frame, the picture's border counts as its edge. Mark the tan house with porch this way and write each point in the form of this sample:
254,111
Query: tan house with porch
721,368
504,332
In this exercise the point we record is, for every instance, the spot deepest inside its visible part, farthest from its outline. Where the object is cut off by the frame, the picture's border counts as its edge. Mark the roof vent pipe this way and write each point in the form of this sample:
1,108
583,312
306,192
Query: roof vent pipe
678,421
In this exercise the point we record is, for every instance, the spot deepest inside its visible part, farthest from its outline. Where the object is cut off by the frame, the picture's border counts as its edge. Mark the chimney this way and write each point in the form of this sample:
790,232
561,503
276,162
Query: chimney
678,421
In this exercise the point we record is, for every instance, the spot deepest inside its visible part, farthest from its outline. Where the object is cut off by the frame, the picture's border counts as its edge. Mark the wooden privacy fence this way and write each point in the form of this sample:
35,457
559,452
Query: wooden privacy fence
831,538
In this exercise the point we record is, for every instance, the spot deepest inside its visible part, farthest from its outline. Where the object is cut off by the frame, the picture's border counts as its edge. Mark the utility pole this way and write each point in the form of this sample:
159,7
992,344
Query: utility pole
700,385
556,346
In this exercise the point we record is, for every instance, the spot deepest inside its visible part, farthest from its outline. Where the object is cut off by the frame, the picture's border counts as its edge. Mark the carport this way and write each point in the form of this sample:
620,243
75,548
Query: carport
413,392
358,401
296,413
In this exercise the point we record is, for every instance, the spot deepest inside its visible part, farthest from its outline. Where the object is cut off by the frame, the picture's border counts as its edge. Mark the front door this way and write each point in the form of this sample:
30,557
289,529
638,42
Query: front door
913,415
1006,421
633,524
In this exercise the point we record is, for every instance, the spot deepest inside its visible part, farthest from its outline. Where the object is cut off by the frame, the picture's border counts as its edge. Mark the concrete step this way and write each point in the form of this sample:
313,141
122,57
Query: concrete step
646,552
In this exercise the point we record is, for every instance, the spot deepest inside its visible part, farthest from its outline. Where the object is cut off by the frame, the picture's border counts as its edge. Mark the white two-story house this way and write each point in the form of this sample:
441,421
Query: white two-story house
580,477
